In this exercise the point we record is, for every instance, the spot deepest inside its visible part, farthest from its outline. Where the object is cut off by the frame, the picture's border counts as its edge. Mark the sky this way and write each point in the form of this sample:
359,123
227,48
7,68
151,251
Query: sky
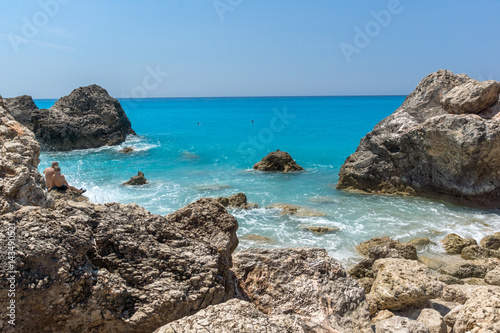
200,48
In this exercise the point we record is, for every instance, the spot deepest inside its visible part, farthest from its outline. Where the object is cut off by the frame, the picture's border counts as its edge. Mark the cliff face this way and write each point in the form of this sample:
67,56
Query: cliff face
443,142
20,182
87,118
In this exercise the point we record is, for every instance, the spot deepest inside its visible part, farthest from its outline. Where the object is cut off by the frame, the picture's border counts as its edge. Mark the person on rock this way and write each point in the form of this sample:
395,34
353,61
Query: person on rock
59,182
49,173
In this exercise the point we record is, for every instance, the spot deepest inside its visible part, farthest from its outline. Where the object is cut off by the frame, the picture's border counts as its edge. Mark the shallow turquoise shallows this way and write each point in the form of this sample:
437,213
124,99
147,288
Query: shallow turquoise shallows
189,148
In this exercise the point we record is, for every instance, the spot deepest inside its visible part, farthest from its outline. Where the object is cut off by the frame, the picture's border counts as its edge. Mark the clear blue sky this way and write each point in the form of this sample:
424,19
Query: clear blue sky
242,47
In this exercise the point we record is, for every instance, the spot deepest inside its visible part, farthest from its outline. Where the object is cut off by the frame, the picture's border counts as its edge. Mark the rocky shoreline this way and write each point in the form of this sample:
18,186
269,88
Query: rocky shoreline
80,266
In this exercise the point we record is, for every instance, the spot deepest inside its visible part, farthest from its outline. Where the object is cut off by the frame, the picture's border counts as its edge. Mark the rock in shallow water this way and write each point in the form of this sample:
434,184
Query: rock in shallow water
425,148
137,180
278,161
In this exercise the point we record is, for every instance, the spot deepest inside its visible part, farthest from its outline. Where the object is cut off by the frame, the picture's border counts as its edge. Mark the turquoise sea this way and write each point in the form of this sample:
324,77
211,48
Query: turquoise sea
191,148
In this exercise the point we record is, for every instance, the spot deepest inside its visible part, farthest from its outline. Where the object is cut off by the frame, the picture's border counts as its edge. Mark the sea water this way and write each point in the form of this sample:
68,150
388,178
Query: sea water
189,148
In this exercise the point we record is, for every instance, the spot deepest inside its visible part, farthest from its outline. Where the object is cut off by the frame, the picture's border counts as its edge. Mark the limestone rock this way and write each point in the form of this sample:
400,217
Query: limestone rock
397,324
419,243
117,268
304,282
127,150
67,195
233,316
432,320
378,247
471,97
451,318
481,312
21,108
403,283
137,180
20,182
364,247
453,243
464,270
238,200
493,276
86,118
491,242
299,211
432,263
476,252
258,238
278,161
423,149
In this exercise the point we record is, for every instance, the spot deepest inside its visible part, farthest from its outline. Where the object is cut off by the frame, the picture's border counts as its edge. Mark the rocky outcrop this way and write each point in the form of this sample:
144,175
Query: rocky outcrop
238,200
304,282
117,268
21,108
20,182
454,244
87,118
299,211
137,180
233,316
481,312
278,161
443,142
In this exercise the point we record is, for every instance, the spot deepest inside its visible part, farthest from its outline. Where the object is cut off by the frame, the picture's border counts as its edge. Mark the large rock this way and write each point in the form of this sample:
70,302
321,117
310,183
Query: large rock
397,324
481,312
402,283
20,182
233,316
278,161
493,276
86,118
304,282
22,108
116,268
432,320
238,200
137,180
454,244
464,270
491,242
425,148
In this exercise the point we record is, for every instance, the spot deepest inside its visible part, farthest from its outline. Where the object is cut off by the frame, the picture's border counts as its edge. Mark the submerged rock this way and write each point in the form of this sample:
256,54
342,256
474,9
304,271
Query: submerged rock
233,316
320,230
278,161
20,182
238,200
137,180
87,118
21,108
127,150
299,211
303,282
117,268
212,188
258,238
443,142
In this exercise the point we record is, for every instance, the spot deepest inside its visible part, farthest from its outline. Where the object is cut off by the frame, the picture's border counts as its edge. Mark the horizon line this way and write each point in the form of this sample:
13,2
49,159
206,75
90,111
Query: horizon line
279,96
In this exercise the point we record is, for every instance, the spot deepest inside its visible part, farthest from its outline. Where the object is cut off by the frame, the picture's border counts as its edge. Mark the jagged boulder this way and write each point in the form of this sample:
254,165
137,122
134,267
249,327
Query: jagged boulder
233,316
117,268
238,200
278,161
21,108
20,182
443,142
304,282
137,180
87,118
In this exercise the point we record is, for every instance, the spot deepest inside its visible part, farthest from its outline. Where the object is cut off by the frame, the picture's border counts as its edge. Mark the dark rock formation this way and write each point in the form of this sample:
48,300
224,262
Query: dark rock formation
443,142
137,180
304,282
117,268
234,316
278,161
20,182
22,108
86,118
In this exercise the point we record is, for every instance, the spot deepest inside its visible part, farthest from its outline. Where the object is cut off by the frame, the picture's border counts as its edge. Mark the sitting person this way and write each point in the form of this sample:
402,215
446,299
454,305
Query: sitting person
49,174
59,182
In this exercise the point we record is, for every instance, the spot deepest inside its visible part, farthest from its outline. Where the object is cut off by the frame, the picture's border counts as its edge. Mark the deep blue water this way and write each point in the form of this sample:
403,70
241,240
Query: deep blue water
190,148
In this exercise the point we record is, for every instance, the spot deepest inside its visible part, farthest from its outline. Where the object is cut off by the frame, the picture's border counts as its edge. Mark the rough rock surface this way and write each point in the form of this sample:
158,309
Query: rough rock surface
20,182
375,245
21,108
493,276
299,211
481,312
238,200
67,196
464,270
402,283
397,324
86,118
432,320
475,252
117,268
305,282
137,180
278,161
425,148
233,316
454,244
491,242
